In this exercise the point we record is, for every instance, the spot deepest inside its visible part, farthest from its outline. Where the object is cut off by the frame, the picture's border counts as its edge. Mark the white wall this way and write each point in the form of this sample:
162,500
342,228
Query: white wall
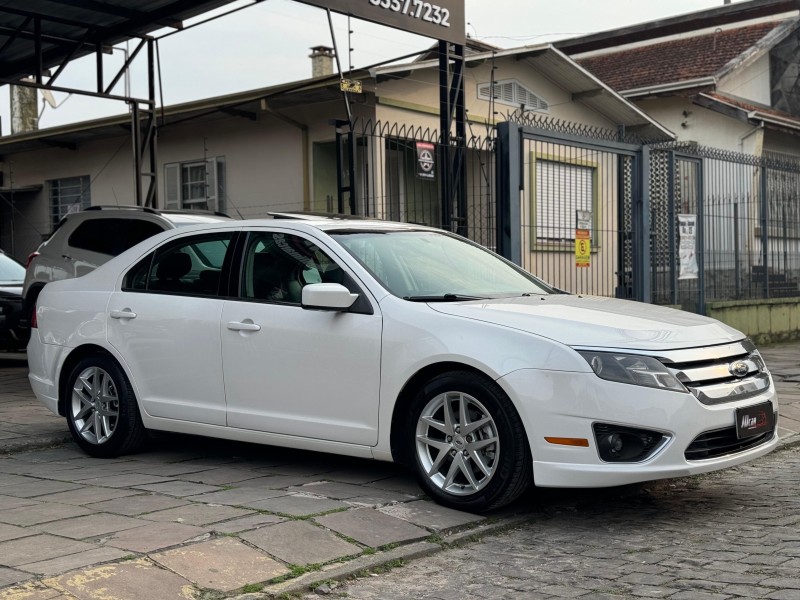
418,96
263,160
751,82
693,123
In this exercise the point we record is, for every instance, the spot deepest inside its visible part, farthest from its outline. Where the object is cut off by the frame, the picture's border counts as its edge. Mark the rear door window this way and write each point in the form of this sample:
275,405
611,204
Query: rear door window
190,266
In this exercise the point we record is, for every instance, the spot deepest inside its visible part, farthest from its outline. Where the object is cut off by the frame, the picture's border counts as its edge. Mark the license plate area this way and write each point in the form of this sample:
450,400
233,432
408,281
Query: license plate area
754,420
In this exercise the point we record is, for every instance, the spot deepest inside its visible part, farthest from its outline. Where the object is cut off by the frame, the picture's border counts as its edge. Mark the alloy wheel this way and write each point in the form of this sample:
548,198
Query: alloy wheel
95,405
457,443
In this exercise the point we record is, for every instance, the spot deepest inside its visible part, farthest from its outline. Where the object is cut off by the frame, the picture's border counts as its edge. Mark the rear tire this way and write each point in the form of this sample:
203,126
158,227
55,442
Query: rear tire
101,408
466,443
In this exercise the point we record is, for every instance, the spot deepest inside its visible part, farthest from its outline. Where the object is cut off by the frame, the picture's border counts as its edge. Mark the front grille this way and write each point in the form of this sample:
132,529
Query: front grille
719,374
722,442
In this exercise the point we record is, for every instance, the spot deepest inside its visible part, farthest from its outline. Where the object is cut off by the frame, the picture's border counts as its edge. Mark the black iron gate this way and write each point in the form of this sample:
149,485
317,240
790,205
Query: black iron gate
573,207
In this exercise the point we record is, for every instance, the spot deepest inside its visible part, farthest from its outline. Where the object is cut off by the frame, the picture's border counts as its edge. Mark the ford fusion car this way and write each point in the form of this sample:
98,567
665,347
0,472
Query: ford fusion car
394,342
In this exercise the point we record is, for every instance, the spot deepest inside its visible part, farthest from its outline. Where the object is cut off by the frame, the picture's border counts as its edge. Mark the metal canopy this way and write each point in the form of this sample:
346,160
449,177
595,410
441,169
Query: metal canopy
39,38
42,34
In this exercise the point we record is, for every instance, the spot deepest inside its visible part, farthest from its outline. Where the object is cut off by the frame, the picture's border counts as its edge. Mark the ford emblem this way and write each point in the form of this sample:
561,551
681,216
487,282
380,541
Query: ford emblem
739,368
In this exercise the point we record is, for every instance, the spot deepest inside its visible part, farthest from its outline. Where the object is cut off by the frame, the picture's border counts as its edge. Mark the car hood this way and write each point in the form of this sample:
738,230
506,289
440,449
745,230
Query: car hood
598,322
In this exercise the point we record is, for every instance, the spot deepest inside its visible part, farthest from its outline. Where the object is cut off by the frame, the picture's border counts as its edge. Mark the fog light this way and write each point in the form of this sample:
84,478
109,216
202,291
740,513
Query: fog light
617,443
612,444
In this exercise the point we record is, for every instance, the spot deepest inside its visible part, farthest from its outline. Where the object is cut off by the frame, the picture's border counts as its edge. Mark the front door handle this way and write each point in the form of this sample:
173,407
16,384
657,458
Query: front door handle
123,314
240,326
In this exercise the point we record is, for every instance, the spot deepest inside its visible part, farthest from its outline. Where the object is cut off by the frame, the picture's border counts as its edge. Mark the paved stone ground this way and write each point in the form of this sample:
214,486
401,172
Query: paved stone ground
191,518
731,534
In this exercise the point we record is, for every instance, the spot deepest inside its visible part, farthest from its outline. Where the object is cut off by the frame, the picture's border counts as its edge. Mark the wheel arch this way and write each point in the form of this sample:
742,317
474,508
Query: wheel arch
410,389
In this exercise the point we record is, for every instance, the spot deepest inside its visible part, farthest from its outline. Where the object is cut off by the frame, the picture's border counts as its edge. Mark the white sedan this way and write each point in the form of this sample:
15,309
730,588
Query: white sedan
394,342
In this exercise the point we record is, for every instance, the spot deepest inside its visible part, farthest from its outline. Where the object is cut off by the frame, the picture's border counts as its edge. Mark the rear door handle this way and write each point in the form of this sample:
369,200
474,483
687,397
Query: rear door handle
123,314
239,326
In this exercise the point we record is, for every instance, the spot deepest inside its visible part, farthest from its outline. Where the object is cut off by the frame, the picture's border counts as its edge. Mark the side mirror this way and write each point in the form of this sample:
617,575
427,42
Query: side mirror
327,296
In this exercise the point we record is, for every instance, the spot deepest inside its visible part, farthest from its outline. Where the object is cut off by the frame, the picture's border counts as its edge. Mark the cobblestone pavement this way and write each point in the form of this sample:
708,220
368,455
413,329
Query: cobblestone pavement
733,534
203,519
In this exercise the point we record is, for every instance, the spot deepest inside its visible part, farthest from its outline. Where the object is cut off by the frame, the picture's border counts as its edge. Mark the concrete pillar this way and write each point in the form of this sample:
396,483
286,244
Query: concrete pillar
24,109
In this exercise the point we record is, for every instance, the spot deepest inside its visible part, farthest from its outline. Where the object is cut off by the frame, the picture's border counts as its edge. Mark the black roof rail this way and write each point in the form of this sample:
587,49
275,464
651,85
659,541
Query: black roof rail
318,216
122,207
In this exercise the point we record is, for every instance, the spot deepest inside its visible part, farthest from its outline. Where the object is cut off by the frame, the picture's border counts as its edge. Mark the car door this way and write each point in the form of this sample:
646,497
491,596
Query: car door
295,371
165,324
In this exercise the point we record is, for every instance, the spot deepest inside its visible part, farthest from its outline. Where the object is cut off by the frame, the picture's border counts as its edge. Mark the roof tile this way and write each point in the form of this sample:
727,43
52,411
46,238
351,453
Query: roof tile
675,60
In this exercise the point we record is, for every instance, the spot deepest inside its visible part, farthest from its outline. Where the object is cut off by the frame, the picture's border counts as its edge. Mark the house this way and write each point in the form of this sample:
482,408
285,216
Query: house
724,78
726,82
282,149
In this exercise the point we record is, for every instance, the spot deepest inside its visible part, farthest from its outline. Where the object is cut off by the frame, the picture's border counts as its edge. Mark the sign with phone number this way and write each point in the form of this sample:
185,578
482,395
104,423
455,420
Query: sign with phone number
441,20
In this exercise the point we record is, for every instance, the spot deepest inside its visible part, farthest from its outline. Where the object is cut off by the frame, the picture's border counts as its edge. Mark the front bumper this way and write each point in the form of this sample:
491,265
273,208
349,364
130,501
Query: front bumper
560,404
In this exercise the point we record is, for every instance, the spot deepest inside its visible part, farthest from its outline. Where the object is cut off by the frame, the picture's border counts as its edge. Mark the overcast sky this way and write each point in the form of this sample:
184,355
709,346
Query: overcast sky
268,43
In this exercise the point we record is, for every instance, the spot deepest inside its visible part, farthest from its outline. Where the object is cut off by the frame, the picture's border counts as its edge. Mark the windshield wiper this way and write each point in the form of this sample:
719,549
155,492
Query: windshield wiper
442,298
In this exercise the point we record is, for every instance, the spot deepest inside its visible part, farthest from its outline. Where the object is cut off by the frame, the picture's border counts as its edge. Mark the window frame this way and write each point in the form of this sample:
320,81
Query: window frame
565,244
363,305
224,287
57,210
215,184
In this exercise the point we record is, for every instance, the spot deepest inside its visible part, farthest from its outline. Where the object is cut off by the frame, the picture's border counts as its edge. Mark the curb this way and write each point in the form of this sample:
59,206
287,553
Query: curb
37,442
349,570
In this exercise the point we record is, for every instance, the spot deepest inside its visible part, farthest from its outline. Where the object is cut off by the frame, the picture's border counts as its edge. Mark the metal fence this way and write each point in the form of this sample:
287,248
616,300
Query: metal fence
745,209
394,180
747,214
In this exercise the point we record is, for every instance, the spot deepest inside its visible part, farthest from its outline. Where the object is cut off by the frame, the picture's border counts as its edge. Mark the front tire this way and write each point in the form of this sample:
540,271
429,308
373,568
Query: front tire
101,408
466,443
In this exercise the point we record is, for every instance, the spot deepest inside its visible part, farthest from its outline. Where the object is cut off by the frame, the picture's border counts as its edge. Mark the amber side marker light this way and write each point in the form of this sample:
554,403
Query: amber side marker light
583,443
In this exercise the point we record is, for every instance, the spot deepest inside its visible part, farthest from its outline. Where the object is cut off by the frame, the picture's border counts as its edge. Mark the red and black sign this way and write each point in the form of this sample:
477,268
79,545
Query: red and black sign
426,163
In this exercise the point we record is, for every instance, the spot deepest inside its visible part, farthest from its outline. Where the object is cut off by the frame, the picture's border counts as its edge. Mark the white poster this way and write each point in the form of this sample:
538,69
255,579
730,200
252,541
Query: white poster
687,248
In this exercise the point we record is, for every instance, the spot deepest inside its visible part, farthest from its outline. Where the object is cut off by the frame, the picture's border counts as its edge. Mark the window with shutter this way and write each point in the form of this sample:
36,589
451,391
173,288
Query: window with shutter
195,184
561,190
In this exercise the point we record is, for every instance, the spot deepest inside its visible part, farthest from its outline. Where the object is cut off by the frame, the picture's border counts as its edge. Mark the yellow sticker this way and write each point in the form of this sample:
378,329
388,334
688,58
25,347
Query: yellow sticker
583,248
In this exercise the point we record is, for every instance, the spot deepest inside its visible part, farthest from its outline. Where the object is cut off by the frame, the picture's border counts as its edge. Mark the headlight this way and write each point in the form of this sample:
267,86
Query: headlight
632,368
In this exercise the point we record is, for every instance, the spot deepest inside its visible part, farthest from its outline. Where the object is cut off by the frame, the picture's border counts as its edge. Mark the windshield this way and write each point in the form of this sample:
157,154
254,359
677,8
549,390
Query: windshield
430,266
11,270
